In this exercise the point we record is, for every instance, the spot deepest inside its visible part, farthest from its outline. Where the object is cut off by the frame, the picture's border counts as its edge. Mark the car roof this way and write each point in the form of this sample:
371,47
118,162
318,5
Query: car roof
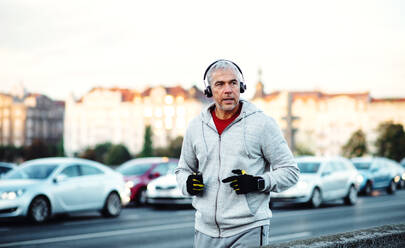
151,160
317,158
59,160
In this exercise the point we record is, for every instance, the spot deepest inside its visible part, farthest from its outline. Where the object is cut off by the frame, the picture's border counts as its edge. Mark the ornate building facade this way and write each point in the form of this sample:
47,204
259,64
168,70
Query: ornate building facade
26,117
324,122
120,116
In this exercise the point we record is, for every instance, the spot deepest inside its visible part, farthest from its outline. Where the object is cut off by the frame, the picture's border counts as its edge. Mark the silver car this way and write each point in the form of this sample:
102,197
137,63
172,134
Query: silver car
164,190
41,188
322,179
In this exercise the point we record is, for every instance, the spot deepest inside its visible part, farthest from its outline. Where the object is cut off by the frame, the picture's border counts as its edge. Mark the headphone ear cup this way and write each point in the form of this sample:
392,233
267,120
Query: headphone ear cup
208,91
242,87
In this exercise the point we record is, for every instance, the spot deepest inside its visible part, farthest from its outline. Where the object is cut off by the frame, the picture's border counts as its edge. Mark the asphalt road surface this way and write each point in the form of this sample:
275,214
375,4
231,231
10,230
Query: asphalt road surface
173,227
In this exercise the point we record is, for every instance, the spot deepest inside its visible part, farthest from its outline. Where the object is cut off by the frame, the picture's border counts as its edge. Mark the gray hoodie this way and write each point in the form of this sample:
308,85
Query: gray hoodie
252,142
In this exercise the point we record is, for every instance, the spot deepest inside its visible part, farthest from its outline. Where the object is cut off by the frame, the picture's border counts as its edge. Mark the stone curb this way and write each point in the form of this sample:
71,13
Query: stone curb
387,236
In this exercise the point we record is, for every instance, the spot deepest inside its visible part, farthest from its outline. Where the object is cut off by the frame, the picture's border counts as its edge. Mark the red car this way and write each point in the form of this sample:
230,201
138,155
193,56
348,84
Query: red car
140,171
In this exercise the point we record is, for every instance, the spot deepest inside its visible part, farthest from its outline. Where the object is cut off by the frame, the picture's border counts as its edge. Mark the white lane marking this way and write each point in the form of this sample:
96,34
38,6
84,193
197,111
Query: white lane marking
289,236
99,234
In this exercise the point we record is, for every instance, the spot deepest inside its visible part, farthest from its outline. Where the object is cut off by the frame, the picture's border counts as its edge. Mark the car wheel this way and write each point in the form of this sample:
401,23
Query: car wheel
142,197
392,187
368,189
112,206
39,210
351,197
316,198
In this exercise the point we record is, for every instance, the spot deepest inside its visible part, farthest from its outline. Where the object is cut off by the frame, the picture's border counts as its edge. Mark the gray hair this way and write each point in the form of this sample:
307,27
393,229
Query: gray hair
223,65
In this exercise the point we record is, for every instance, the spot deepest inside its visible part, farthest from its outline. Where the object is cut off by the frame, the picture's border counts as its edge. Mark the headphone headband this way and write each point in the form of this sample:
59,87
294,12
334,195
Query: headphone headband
213,63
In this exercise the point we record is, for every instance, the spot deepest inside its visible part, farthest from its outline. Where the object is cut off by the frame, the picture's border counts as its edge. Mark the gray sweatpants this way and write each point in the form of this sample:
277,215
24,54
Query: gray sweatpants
254,237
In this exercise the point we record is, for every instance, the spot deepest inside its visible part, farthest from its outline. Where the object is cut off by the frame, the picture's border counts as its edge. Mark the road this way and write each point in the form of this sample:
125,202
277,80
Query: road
173,227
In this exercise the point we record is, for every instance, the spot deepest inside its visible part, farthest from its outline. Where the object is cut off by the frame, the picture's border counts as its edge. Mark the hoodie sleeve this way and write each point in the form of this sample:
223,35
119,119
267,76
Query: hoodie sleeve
188,162
284,171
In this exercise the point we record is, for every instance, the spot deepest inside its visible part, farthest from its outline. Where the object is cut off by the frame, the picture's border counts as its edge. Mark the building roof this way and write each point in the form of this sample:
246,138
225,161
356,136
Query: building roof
128,95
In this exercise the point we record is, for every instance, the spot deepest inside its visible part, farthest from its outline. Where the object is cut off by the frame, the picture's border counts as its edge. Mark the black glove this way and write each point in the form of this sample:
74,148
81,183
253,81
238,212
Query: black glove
195,184
243,183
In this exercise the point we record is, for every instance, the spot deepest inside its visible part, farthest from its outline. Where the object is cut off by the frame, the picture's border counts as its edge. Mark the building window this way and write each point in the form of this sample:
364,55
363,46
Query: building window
148,112
169,111
169,99
158,112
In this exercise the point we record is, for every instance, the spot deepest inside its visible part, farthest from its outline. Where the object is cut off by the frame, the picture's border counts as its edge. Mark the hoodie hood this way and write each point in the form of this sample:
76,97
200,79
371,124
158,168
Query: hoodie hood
247,110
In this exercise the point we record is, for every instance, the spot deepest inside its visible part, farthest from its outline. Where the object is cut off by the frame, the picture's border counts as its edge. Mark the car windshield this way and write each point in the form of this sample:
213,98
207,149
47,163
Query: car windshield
308,167
362,165
37,171
133,169
171,168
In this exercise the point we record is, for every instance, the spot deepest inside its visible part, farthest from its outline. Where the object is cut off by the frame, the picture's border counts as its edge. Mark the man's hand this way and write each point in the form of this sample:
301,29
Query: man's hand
243,183
195,184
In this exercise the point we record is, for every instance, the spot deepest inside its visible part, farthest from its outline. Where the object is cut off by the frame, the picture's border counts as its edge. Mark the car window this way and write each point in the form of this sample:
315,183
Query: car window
165,168
327,167
133,169
34,171
171,167
71,171
337,166
362,165
161,169
87,170
4,169
309,167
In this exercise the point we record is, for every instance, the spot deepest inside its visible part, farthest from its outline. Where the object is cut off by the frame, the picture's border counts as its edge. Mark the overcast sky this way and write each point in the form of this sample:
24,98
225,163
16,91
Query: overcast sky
58,47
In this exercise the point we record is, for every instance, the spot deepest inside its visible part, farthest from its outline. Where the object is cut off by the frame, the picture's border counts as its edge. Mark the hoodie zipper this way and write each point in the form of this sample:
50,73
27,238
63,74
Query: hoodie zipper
219,185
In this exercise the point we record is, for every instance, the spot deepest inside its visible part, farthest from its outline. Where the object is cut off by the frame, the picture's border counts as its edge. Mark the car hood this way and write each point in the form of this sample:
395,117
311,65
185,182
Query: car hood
168,180
132,178
364,173
8,184
308,177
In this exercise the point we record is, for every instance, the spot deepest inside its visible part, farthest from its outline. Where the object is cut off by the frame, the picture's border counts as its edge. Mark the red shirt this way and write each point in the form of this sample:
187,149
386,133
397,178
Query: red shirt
222,124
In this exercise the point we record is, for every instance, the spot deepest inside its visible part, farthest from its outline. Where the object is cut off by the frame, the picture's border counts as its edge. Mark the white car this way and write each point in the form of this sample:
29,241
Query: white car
5,168
40,188
164,190
322,179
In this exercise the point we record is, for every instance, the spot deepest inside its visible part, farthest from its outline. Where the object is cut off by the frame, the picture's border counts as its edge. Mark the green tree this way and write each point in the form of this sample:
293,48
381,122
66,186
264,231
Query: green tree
356,146
173,150
89,153
391,141
147,150
60,150
10,153
117,154
101,150
302,150
175,147
37,149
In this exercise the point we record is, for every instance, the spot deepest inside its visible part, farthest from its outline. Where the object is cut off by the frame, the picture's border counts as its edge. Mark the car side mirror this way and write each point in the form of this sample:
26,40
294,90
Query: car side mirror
60,178
154,175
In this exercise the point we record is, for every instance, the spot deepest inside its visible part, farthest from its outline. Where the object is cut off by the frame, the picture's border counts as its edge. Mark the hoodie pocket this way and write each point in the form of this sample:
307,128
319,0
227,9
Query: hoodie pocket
254,200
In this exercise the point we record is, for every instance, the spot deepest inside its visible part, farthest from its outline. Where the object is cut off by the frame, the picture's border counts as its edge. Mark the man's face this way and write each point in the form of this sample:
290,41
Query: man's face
225,89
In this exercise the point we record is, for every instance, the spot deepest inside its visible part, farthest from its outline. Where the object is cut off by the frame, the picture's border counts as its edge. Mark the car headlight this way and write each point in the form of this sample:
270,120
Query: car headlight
403,176
359,179
11,195
129,184
396,179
